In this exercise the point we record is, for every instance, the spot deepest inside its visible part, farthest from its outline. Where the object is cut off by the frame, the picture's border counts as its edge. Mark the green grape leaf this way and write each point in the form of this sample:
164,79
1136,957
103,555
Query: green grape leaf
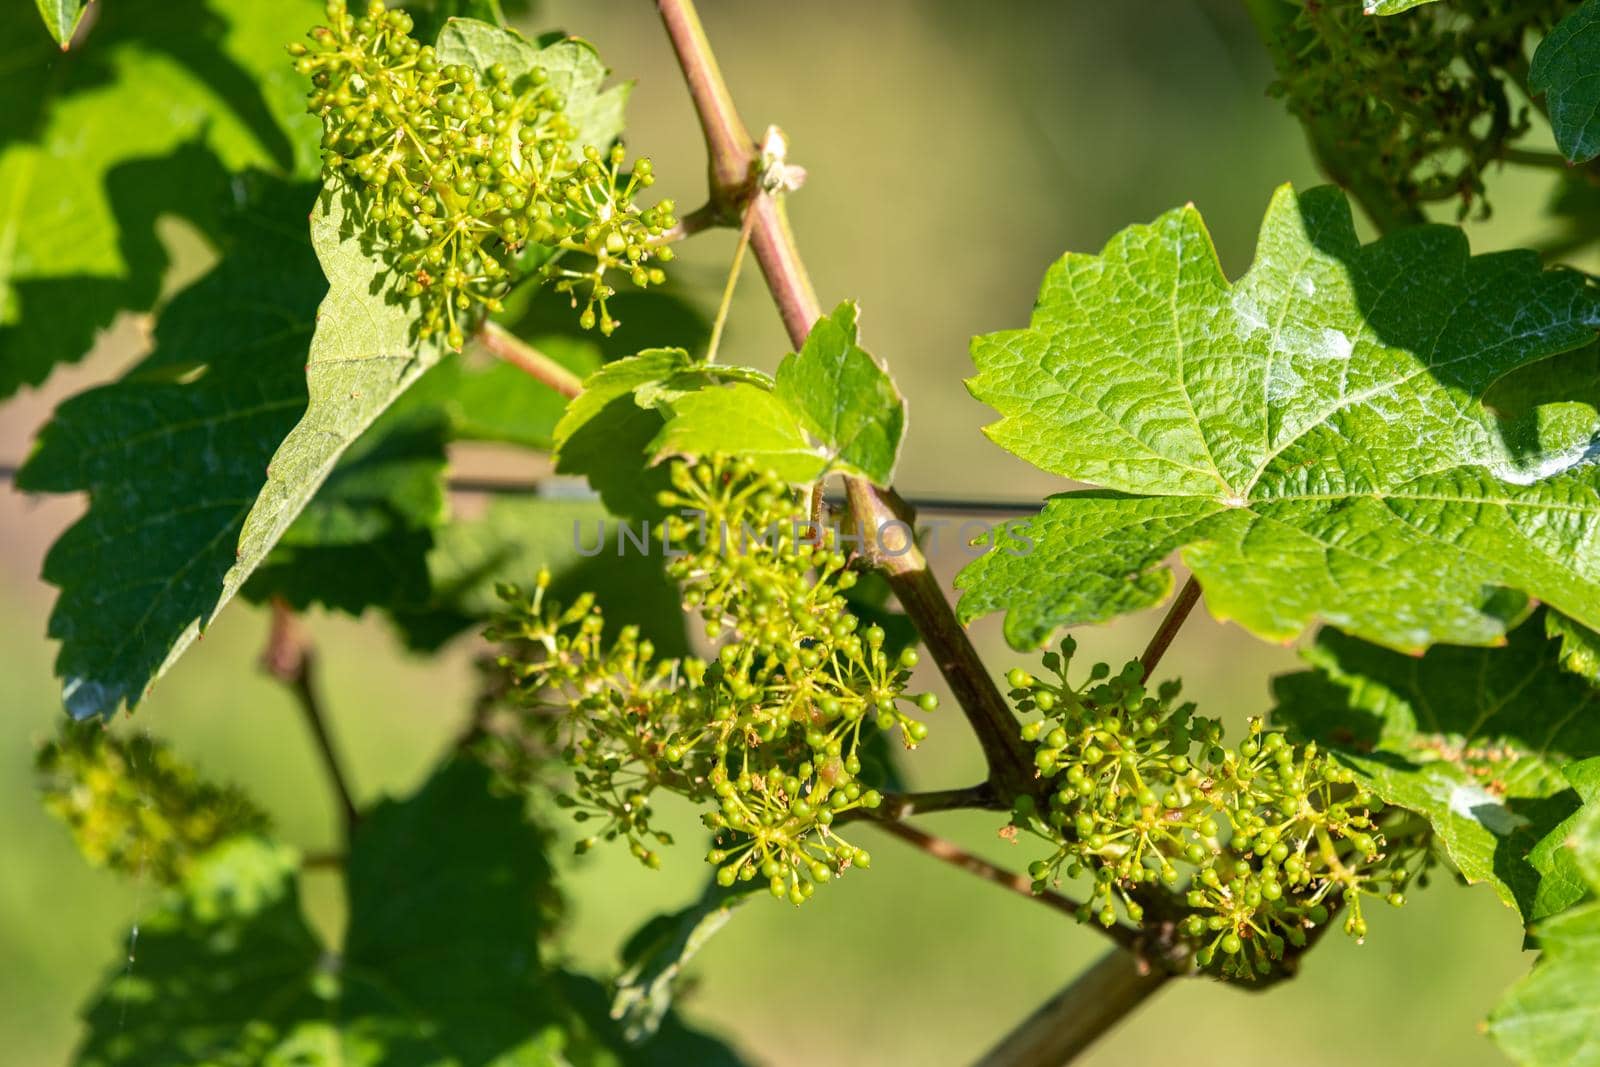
1549,1018
116,641
1390,7
610,431
491,400
134,806
843,398
831,407
573,65
1580,646
1563,69
221,970
174,455
1473,739
1567,857
1311,439
653,958
585,551
363,539
61,18
742,419
449,894
428,17
146,120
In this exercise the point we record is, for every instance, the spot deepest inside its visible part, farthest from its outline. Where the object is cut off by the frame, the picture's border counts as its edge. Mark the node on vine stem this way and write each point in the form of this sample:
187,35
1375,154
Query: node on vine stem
461,173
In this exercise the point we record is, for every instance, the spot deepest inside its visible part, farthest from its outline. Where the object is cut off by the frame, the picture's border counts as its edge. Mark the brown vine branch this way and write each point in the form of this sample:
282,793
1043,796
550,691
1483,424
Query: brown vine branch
1176,616
953,854
517,352
1071,1021
290,658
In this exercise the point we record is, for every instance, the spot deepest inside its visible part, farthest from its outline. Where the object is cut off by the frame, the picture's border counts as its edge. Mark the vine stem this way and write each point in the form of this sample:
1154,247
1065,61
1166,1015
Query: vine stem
1071,1021
290,658
511,348
1176,616
732,156
953,854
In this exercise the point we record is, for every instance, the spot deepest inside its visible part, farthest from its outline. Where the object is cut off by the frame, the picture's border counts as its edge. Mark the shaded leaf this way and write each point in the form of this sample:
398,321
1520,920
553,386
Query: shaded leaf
1474,739
585,551
174,455
146,120
363,539
1311,439
222,970
1561,857
449,894
1564,69
1580,646
653,958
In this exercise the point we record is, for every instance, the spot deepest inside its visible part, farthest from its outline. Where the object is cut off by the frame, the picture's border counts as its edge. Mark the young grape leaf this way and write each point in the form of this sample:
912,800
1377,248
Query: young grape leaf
653,959
609,430
1551,1016
449,893
1474,739
61,18
746,420
831,407
1580,646
146,120
584,549
174,455
843,398
1566,870
1311,439
1563,69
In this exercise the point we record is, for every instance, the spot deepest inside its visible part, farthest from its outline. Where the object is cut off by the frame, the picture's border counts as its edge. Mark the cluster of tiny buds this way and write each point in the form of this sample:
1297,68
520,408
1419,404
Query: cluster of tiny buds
469,179
1272,838
768,731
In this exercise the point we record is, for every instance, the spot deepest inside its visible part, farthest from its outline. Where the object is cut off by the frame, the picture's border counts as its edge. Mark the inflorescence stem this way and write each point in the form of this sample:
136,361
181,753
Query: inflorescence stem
290,658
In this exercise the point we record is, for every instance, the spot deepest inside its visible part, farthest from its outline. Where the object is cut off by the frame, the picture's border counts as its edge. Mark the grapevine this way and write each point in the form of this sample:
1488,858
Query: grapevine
469,180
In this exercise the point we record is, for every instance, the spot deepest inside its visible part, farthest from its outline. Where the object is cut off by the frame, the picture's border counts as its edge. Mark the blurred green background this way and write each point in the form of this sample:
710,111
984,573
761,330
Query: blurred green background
954,150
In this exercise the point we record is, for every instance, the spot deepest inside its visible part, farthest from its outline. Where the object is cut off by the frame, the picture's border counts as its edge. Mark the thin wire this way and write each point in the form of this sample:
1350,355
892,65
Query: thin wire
944,505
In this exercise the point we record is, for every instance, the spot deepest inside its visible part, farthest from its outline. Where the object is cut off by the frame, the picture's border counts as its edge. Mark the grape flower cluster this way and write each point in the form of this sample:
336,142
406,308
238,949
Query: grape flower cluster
1417,105
460,172
768,730
134,806
1266,840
